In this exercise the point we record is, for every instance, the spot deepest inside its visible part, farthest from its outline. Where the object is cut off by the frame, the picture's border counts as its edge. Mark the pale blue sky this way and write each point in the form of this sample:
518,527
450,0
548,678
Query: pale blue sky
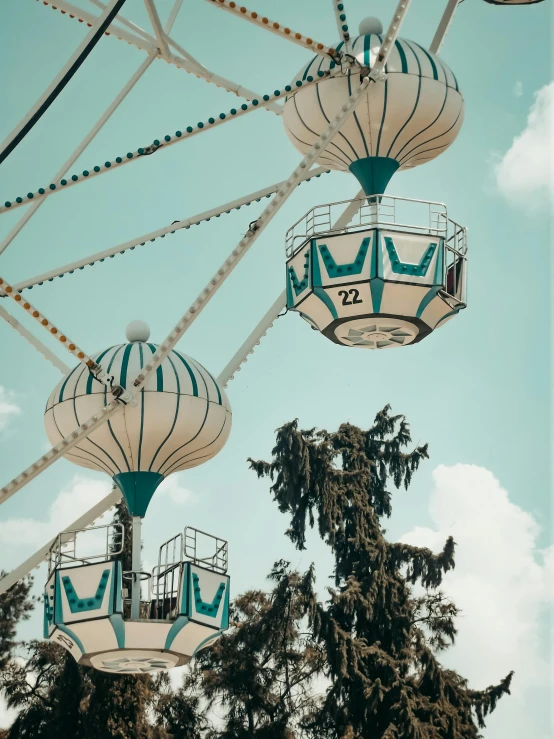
477,390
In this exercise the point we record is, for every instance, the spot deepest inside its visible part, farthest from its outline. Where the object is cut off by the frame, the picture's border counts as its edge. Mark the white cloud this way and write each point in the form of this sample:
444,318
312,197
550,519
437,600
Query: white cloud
80,495
518,89
503,585
7,715
8,407
525,173
171,488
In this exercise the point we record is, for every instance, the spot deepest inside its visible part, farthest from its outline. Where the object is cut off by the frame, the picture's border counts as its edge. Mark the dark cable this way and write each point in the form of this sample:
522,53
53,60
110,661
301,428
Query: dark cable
18,138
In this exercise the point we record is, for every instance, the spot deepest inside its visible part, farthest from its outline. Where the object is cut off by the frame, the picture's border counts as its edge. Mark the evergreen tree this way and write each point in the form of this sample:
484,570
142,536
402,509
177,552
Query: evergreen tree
47,690
261,673
380,641
15,606
177,713
117,705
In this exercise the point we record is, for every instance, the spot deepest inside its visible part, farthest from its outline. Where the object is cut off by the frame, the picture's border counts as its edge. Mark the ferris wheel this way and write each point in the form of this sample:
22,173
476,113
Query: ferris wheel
376,272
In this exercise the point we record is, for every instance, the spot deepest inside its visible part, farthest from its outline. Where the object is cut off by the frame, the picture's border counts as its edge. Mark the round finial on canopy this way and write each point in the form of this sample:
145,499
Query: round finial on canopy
137,331
370,25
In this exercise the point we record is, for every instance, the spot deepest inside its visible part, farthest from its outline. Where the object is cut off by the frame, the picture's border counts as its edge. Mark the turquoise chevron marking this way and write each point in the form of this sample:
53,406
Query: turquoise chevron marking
209,609
118,625
177,626
72,635
320,293
343,270
300,285
318,290
404,268
80,605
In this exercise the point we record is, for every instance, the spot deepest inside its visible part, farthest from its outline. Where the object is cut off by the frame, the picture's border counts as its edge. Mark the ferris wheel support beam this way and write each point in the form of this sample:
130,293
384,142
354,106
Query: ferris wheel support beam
444,25
199,304
95,129
36,559
255,230
150,46
162,143
241,356
193,63
35,343
61,80
342,24
58,451
80,148
224,378
158,31
159,233
262,22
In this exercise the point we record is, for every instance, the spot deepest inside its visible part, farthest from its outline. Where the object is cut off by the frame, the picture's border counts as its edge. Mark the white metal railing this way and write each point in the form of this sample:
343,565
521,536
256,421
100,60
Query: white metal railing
166,577
406,214
196,540
83,546
194,546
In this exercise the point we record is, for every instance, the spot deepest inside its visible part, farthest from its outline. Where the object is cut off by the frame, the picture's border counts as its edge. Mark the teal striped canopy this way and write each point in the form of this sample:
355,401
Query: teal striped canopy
182,418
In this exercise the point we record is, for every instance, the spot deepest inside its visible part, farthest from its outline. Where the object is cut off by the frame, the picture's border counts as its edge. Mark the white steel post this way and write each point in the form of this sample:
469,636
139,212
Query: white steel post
136,567
254,232
444,25
35,343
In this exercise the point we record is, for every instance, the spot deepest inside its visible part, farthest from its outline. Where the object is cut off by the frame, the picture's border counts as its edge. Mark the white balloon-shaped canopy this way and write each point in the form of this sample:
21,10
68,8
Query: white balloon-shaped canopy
408,119
182,419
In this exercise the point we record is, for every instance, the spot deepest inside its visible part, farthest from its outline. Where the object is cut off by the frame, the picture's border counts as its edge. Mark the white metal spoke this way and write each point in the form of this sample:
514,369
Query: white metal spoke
253,233
390,38
79,150
223,379
444,25
149,46
159,233
127,23
36,559
54,89
277,28
76,436
157,26
162,143
35,343
47,325
90,19
257,334
342,24
268,320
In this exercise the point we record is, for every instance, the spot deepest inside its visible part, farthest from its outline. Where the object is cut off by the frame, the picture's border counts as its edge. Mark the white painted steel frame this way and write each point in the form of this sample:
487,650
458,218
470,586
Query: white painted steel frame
35,343
36,559
226,375
444,25
136,155
279,29
164,231
282,195
192,313
114,105
149,46
238,359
